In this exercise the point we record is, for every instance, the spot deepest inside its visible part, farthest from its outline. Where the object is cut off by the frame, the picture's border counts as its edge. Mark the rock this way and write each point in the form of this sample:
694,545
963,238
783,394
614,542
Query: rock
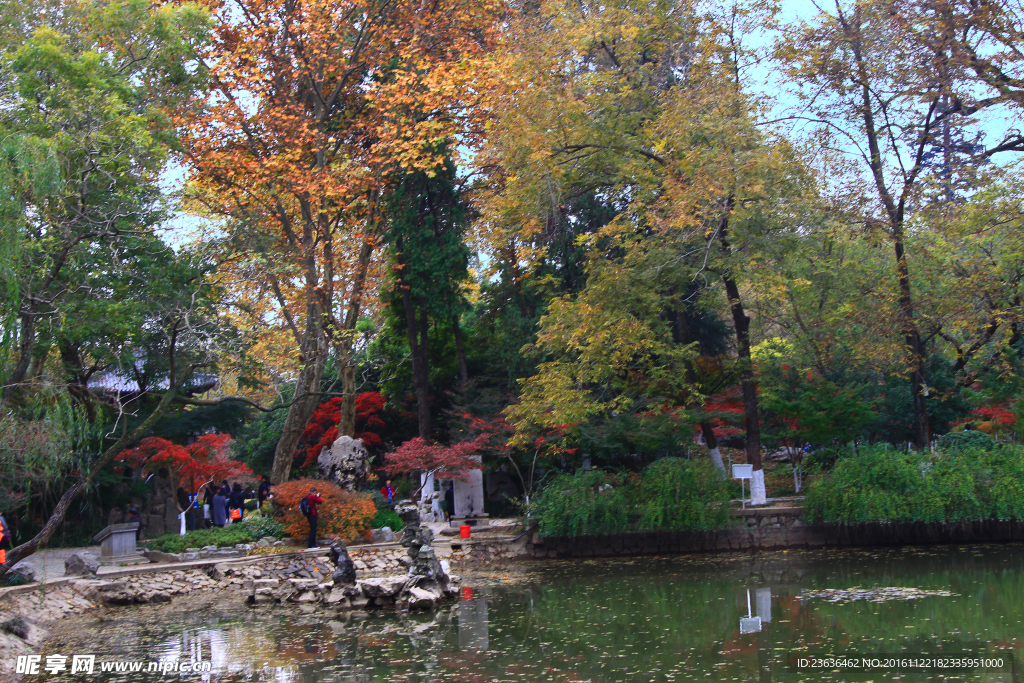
344,463
26,569
336,596
384,535
263,596
419,598
268,539
259,584
190,557
263,543
359,602
81,564
160,596
278,544
346,569
383,587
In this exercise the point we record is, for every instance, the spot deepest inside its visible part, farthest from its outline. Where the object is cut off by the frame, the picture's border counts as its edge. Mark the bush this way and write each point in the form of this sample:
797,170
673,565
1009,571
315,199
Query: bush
681,494
262,526
882,485
227,536
342,513
581,504
963,440
386,517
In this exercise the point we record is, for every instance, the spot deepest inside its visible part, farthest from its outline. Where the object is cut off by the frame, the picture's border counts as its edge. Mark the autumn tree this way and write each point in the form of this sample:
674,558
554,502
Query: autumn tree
314,105
652,113
889,83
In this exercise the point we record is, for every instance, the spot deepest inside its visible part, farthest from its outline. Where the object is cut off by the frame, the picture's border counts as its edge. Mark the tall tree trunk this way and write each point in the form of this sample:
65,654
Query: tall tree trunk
711,441
912,340
26,340
349,384
463,368
307,398
420,373
741,323
423,385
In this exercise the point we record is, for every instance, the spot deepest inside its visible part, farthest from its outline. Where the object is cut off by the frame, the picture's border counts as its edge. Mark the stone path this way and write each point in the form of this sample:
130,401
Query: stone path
49,562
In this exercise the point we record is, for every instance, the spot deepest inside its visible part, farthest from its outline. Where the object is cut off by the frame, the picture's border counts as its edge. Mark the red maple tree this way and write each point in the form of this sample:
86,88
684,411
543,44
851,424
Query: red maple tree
322,429
207,458
445,462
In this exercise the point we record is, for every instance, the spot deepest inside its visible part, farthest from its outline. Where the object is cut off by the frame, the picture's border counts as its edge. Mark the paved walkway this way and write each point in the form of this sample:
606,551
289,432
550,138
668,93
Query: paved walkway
49,562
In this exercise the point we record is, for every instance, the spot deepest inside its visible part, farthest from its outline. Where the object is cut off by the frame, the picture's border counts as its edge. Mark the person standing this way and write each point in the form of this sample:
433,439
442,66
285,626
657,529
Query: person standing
449,501
388,492
308,507
219,508
263,492
135,518
237,500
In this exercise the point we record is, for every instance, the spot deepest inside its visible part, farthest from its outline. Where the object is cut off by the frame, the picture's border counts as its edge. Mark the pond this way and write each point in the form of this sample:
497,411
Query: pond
726,617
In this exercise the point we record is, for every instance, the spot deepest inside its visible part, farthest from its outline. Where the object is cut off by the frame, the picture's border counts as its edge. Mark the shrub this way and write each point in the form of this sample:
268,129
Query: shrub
883,485
581,504
262,526
226,536
345,514
963,440
681,494
386,517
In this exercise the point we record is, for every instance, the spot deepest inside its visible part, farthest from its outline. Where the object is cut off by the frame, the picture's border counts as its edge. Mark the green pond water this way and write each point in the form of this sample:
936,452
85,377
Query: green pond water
680,618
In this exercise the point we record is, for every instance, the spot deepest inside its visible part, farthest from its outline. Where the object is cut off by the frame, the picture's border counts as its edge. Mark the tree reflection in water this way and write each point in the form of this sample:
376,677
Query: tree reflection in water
643,619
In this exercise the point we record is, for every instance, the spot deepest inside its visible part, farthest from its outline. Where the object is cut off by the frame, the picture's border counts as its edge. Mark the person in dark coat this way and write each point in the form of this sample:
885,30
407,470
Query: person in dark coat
263,492
208,493
237,499
219,509
449,501
135,518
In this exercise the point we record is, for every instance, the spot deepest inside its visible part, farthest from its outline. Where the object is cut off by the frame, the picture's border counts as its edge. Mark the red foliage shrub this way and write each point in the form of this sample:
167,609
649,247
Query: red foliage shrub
342,513
322,429
193,465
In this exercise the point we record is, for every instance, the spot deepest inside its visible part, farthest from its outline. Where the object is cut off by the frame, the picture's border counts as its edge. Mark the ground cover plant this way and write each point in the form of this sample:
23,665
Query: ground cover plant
881,484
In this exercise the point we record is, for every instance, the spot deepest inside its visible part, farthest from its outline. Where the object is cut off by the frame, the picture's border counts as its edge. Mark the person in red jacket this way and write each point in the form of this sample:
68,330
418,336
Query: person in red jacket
387,491
312,500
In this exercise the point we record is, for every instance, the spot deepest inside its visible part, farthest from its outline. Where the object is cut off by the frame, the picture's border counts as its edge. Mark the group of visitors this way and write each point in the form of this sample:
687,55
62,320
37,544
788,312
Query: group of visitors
224,503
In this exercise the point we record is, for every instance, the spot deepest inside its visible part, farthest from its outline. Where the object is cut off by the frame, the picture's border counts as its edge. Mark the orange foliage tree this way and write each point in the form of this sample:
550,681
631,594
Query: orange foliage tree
314,106
346,514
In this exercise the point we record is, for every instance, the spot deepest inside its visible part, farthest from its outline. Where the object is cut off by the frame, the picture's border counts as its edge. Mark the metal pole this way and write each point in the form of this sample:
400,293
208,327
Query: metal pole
743,496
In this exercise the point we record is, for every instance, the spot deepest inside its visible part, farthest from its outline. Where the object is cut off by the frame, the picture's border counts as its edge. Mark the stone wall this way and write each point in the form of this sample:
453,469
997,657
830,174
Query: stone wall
775,529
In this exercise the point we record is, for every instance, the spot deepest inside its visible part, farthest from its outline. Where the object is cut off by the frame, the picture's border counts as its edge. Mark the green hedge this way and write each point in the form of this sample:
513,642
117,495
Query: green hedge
880,484
247,531
671,494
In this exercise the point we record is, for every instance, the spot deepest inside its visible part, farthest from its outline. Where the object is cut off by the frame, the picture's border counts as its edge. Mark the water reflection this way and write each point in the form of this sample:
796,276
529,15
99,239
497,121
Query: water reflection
738,617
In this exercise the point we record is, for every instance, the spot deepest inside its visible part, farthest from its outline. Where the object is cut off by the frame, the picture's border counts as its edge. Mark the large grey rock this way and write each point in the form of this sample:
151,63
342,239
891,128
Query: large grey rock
383,587
81,564
384,535
422,598
26,569
344,463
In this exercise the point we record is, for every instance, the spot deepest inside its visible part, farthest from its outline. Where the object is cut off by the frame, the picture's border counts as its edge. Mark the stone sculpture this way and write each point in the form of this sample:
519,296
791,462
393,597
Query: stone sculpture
344,463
